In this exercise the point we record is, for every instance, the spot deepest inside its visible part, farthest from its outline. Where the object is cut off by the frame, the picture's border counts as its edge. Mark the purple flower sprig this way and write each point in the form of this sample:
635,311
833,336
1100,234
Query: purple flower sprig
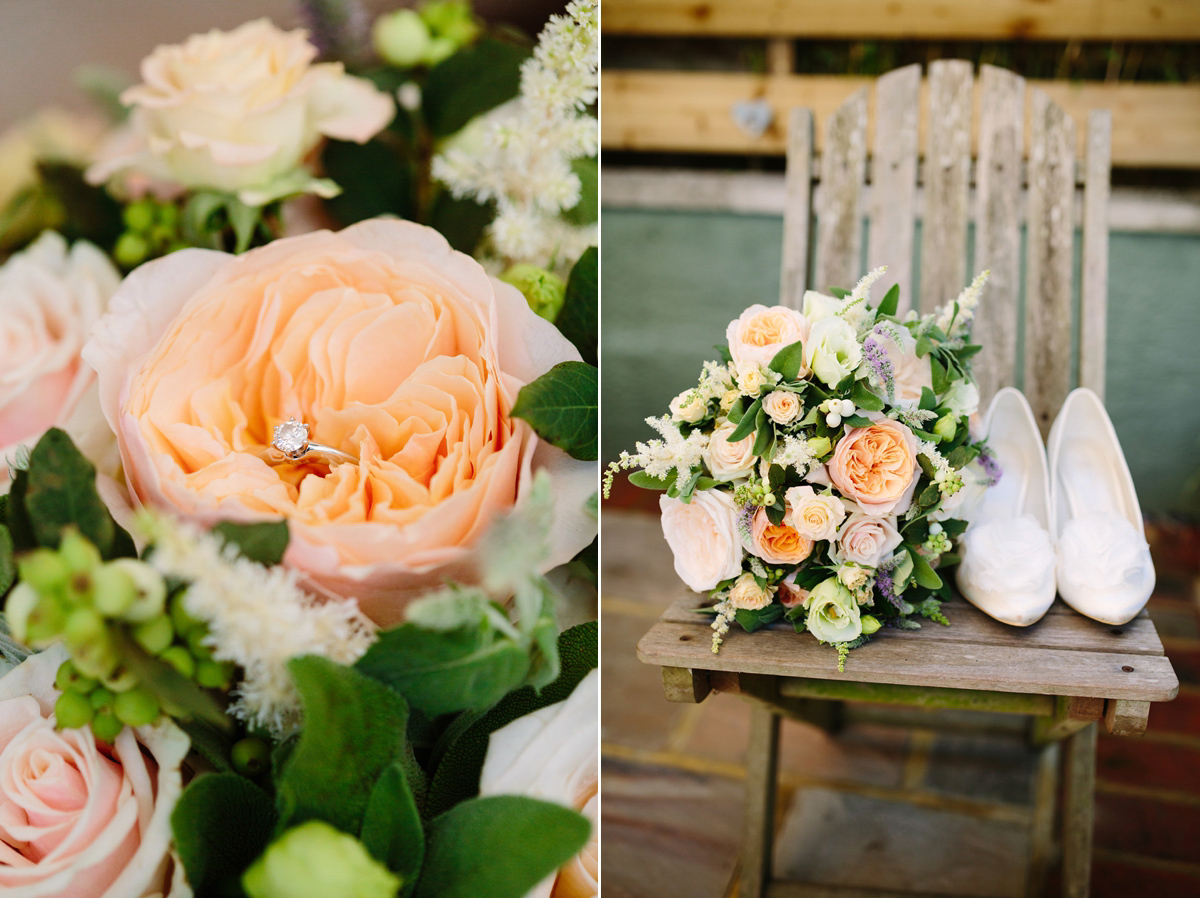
991,467
880,365
887,587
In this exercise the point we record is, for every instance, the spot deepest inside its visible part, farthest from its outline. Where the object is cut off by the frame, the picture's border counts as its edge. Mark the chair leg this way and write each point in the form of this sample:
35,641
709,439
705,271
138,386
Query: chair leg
762,764
1041,842
1078,811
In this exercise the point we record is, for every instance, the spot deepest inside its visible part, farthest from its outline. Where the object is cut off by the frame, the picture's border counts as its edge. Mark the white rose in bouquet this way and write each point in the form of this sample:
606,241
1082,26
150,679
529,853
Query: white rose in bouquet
688,407
783,406
816,517
703,536
726,460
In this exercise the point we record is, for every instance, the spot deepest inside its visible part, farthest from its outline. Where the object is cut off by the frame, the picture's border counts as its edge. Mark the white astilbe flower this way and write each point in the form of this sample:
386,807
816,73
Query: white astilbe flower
795,453
258,618
659,457
955,317
714,381
519,155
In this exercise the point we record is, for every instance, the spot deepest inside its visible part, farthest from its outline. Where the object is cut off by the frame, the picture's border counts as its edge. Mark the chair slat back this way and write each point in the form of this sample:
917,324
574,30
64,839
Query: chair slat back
1050,367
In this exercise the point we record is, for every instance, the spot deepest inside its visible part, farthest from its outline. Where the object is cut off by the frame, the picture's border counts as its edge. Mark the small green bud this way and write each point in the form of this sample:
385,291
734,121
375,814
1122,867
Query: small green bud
214,674
451,19
137,707
314,860
45,621
84,626
870,624
155,635
543,290
168,215
69,679
151,597
131,250
121,680
401,38
250,756
106,727
44,570
820,446
161,237
946,426
101,698
113,590
78,552
72,711
97,658
180,659
139,216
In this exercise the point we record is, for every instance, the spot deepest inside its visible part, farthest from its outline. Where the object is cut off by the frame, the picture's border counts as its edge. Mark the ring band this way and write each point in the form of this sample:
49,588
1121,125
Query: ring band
291,444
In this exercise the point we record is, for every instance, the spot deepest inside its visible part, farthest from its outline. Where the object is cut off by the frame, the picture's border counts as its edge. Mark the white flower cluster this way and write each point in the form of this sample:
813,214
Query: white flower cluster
794,453
948,480
658,457
955,317
519,155
258,618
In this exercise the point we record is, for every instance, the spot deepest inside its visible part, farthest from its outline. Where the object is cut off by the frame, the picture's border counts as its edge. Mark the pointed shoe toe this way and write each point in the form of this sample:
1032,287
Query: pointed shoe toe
1104,567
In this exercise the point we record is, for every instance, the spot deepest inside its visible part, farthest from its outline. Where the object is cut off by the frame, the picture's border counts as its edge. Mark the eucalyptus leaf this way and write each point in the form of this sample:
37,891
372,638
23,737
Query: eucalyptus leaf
392,830
646,482
562,407
766,435
788,361
857,421
941,380
924,346
862,397
748,423
928,400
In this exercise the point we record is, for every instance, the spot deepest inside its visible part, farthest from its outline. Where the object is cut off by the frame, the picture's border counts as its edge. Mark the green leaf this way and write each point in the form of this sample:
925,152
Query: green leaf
646,482
92,214
965,352
766,435
924,574
459,670
263,542
928,400
788,361
954,527
196,224
737,411
941,382
392,829
862,397
471,82
890,302
459,763
924,346
587,210
857,421
375,180
562,407
244,220
748,424
221,823
62,492
839,292
8,570
756,620
353,730
208,742
962,456
461,221
500,846
579,318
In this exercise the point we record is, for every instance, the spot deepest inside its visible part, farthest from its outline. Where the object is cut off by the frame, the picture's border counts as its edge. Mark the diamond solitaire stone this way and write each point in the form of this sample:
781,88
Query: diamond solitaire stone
291,438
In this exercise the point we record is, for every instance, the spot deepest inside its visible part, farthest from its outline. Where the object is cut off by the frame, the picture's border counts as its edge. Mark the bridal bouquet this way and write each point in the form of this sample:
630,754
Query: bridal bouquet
299,469
817,470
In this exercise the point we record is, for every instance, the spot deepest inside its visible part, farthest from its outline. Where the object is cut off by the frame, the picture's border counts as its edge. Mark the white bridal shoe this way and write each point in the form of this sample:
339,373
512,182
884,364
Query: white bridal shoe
1008,559
1104,566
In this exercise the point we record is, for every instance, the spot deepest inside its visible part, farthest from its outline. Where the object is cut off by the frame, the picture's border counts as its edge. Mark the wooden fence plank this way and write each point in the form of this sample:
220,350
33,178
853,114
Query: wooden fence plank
947,184
839,200
1163,20
1154,125
1093,312
998,227
891,210
1050,235
797,214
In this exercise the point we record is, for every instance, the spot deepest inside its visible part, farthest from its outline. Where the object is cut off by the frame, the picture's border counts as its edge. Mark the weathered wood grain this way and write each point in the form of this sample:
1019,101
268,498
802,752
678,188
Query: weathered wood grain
1126,718
839,209
762,767
685,686
1041,836
1093,311
998,228
892,205
947,184
797,213
1078,812
1049,260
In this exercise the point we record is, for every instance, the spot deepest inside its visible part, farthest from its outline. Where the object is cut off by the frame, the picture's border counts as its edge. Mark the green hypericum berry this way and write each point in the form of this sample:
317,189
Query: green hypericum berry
140,216
213,674
168,215
45,620
113,591
79,588
137,707
161,237
131,250
69,679
97,658
83,626
72,711
180,659
78,552
151,598
121,680
106,727
44,570
101,698
250,756
155,635
544,290
195,641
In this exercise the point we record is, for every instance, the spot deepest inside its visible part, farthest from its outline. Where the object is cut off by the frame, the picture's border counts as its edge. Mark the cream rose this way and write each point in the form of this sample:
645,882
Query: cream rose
866,539
876,466
728,461
703,537
833,614
689,407
814,516
50,296
782,406
238,111
832,350
552,754
747,595
79,818
776,543
910,374
750,379
760,332
392,347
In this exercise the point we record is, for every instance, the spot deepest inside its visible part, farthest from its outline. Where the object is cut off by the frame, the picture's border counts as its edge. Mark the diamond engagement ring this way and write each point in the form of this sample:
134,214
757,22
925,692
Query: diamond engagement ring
291,443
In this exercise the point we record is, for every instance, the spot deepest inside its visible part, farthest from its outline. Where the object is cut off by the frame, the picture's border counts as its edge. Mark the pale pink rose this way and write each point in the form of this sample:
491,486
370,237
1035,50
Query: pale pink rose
50,296
728,461
391,346
876,466
814,516
910,374
782,406
789,594
760,332
703,537
78,818
866,539
777,543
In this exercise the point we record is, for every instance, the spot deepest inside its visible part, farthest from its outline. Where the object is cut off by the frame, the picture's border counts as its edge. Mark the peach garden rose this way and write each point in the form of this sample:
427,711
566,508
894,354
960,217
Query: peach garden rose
876,466
393,348
761,331
777,543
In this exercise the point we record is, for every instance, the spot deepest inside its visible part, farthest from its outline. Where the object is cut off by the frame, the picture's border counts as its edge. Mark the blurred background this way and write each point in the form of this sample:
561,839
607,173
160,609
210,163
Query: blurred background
696,97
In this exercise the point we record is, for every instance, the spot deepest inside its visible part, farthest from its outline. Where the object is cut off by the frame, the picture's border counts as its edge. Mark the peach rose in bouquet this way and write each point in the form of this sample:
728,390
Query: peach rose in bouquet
876,466
80,818
761,331
393,348
777,543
